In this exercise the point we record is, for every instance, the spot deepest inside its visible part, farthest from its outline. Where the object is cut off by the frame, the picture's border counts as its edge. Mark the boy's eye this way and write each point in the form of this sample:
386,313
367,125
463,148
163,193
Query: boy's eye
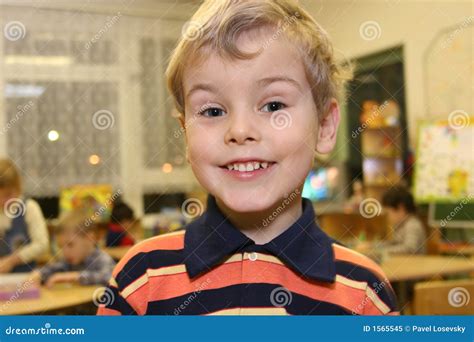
212,112
273,106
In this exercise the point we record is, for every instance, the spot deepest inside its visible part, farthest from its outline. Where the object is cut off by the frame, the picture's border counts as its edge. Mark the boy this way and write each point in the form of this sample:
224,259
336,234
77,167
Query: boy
255,84
82,261
121,220
409,235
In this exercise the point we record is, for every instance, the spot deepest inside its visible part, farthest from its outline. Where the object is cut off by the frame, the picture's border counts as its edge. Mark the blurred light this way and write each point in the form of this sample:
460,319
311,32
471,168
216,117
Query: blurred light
38,60
167,168
53,135
94,159
23,90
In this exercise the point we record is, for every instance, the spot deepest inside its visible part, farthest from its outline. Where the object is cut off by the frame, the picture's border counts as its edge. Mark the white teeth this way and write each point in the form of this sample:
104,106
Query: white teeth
248,167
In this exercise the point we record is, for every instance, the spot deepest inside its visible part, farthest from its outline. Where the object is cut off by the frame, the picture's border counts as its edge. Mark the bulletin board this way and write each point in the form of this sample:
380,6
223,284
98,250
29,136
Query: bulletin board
94,198
444,168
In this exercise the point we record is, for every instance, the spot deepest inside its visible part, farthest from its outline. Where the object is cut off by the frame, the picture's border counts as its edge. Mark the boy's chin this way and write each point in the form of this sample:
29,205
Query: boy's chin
244,204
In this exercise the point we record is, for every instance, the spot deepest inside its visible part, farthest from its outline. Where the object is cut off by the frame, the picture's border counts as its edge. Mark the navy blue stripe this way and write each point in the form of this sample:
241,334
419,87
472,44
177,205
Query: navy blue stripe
138,264
115,301
244,296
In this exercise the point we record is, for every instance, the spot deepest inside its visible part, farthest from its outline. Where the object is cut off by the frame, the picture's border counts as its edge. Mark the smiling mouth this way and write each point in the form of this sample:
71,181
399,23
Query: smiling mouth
247,166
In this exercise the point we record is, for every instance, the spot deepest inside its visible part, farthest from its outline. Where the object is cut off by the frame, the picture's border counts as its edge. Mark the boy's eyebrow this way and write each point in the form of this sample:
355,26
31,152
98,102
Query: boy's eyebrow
201,86
268,80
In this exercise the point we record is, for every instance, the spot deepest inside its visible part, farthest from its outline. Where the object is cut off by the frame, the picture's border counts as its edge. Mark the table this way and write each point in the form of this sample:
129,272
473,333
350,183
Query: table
417,267
61,296
464,249
116,253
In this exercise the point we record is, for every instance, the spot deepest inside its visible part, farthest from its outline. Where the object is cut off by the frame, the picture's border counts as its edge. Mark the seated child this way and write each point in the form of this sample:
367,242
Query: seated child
409,235
121,220
82,262
23,232
256,84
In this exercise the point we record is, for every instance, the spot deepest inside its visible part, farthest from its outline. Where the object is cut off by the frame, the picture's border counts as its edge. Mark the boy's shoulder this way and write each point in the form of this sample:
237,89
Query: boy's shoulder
353,264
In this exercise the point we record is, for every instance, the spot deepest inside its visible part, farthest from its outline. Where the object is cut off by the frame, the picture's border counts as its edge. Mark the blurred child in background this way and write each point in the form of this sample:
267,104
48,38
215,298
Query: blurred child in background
122,220
23,232
82,262
409,234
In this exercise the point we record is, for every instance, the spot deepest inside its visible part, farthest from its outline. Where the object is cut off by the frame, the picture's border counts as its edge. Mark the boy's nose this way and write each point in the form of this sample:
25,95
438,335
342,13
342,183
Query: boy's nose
242,129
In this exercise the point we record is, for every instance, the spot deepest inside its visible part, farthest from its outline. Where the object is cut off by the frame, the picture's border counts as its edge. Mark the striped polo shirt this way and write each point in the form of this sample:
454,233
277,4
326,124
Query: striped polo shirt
211,268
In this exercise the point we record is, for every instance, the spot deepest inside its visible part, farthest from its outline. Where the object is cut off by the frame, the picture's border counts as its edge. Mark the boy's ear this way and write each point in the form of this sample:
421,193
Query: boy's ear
328,128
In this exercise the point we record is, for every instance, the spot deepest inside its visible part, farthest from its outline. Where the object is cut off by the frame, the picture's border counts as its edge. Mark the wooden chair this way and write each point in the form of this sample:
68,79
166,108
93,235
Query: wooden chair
445,297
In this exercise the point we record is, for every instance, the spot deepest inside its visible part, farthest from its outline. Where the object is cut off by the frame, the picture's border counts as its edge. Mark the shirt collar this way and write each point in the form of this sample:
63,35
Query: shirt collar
303,247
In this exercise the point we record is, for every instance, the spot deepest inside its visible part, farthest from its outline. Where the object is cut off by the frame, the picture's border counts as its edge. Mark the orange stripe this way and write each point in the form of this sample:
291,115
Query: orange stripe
170,286
103,311
170,241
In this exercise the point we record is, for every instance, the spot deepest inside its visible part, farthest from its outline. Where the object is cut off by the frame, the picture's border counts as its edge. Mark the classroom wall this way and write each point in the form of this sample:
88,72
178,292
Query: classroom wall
413,24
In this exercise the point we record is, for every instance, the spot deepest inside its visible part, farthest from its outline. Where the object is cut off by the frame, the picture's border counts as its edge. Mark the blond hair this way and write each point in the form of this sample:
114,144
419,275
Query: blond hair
9,176
217,24
76,221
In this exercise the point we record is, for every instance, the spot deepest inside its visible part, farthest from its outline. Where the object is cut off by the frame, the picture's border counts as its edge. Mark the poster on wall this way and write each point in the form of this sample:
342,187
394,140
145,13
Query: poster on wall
444,168
95,199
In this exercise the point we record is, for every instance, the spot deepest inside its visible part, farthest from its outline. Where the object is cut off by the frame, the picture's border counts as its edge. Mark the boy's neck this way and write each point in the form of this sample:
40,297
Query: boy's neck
263,227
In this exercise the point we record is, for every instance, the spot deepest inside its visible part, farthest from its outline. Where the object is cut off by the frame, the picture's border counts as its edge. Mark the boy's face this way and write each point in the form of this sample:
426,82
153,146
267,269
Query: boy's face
75,247
395,215
244,112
